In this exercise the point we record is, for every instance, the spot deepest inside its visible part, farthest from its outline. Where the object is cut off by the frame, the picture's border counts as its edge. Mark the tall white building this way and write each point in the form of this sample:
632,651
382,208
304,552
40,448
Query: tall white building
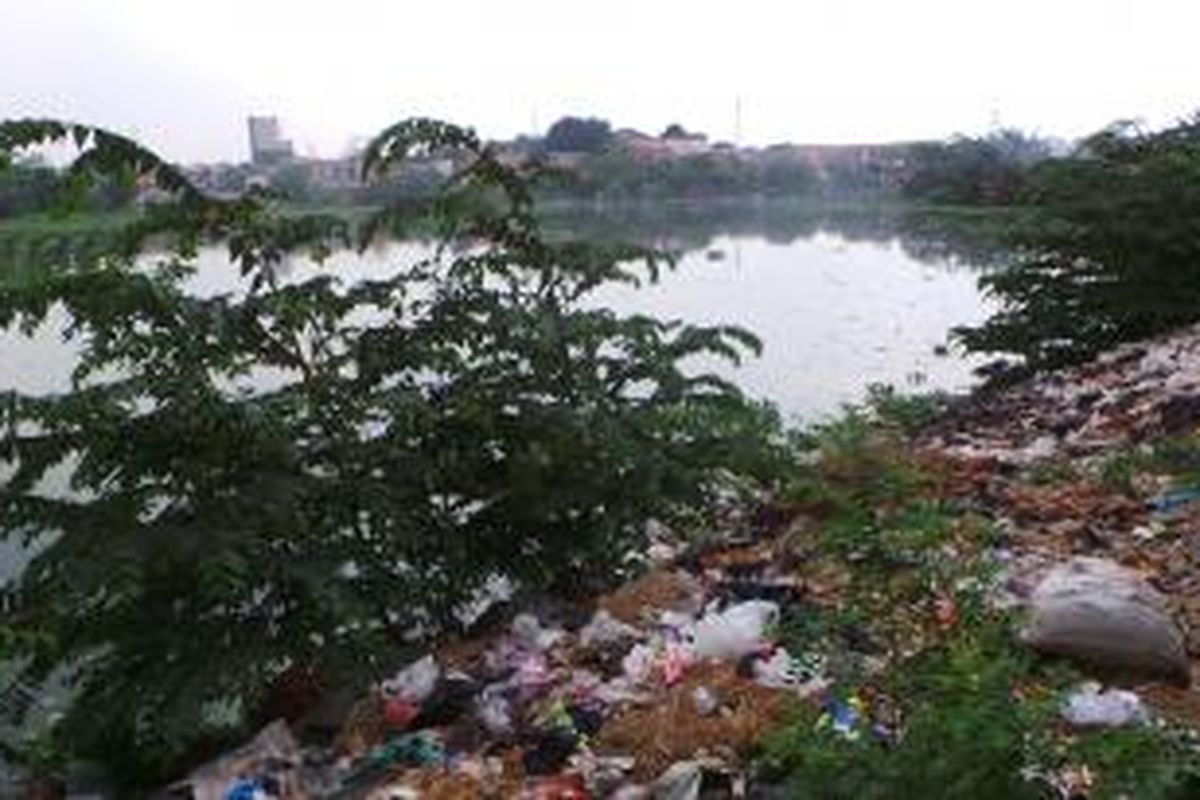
267,145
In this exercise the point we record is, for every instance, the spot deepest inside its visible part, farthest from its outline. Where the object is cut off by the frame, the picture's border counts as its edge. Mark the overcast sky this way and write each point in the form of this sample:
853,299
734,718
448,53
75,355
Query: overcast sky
183,75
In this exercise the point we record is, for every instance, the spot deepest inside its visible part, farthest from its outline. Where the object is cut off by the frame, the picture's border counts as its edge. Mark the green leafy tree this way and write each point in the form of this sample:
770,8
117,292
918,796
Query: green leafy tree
318,473
578,135
971,171
1109,255
26,188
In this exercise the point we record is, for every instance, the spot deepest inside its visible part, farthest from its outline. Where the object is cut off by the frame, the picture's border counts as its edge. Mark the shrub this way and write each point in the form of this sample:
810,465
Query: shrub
463,417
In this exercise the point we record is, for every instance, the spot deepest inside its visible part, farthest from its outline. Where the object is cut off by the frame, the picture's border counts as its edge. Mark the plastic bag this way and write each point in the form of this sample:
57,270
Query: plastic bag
705,701
638,664
494,711
415,682
605,629
782,670
676,658
1087,707
681,781
527,628
735,632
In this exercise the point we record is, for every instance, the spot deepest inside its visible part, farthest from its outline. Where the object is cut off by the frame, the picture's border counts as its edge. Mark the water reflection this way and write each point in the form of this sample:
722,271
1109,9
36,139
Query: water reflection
929,236
842,296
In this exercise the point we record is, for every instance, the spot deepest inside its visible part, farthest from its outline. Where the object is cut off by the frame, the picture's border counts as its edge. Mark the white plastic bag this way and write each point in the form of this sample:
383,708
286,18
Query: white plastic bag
638,664
529,630
605,629
736,631
1088,707
494,711
415,682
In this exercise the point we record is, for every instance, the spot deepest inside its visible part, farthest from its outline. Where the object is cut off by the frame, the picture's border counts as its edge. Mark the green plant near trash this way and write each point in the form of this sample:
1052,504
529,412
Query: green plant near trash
907,413
466,415
1175,458
979,720
976,713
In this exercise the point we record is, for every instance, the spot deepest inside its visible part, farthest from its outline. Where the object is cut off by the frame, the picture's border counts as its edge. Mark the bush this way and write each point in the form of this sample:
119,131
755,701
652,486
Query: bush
977,719
464,417
963,737
1109,256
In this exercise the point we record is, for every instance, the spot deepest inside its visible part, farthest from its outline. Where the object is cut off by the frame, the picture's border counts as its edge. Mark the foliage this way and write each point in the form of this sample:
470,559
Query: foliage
1176,457
316,472
907,413
578,135
618,175
26,188
1158,762
990,170
963,736
986,171
675,131
966,711
1110,256
30,187
978,720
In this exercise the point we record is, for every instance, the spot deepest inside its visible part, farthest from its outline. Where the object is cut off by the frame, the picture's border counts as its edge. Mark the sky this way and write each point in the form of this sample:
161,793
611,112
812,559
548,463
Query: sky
182,76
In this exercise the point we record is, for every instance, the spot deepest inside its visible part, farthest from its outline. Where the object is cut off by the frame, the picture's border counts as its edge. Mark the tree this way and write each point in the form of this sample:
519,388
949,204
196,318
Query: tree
466,416
965,170
578,135
294,180
26,188
1109,255
674,131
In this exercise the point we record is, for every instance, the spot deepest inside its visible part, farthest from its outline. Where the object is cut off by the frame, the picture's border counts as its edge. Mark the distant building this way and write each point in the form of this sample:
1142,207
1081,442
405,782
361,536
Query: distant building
267,145
681,143
335,173
675,143
641,146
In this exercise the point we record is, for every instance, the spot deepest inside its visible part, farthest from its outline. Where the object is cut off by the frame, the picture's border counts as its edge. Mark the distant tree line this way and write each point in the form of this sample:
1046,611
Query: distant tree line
31,187
578,135
991,170
1109,250
616,175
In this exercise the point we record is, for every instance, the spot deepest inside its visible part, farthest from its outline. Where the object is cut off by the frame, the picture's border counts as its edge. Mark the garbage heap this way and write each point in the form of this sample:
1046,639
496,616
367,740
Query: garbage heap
664,688
656,690
1092,475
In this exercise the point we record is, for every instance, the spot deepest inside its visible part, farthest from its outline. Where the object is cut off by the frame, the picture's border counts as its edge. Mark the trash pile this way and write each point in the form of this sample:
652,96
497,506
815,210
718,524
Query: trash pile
1133,393
1097,464
659,689
664,688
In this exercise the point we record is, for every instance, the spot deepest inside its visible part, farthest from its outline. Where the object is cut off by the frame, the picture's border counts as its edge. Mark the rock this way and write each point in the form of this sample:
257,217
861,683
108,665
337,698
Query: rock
1099,613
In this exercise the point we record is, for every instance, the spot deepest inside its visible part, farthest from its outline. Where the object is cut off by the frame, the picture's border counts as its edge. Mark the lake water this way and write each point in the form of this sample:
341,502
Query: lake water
834,315
840,302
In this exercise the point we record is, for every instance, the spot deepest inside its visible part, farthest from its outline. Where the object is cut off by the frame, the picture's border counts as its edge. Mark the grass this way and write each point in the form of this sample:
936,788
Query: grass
960,709
1176,457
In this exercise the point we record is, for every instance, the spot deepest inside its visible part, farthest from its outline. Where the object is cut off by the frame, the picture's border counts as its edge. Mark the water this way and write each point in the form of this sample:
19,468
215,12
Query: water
839,301
834,316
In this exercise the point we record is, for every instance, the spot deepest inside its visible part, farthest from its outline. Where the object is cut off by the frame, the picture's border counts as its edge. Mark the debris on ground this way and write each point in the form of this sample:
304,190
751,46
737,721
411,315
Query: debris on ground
1102,614
1090,706
665,686
268,765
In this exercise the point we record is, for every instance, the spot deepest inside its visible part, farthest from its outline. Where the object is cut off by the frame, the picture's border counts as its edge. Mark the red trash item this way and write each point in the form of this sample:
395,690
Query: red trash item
399,713
561,787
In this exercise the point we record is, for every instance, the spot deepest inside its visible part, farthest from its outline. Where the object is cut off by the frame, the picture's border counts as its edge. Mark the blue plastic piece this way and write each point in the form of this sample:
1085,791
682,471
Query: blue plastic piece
244,789
1173,499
